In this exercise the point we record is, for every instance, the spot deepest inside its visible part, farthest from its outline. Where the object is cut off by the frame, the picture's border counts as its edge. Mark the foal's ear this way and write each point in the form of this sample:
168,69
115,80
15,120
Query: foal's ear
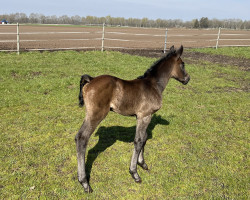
171,49
179,51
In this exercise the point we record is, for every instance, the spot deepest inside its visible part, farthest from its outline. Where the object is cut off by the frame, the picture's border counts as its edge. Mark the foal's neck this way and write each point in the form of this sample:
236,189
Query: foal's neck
163,75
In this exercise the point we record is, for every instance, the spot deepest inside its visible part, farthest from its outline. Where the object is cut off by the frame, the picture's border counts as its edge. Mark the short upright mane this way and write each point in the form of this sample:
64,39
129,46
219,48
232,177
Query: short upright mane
154,67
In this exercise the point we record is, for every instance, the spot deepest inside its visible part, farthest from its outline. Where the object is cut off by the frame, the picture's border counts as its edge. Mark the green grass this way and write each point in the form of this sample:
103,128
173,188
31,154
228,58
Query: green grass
198,145
239,52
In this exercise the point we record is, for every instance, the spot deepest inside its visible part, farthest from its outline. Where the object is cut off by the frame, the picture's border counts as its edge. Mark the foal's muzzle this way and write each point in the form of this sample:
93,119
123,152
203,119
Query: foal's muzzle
186,80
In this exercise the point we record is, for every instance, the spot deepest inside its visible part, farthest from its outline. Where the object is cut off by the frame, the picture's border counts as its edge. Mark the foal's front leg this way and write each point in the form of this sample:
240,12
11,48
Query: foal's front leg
141,161
139,142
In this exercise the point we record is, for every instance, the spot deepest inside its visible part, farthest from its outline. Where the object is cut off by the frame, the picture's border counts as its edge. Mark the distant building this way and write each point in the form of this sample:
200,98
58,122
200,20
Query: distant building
4,21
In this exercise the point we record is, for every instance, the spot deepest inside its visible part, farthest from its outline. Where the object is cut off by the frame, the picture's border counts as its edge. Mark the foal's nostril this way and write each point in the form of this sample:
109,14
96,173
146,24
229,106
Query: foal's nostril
187,79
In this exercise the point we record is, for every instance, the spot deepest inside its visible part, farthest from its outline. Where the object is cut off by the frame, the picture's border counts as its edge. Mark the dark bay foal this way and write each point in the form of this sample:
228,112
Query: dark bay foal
140,97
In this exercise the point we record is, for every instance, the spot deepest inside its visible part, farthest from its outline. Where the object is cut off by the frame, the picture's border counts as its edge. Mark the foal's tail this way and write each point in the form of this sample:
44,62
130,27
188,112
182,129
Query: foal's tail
84,79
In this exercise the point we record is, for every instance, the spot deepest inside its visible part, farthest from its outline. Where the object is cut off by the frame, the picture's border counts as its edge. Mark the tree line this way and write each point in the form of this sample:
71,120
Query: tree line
203,22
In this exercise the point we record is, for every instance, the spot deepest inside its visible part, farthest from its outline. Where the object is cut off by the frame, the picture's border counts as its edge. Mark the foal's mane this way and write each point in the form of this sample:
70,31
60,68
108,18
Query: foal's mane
153,69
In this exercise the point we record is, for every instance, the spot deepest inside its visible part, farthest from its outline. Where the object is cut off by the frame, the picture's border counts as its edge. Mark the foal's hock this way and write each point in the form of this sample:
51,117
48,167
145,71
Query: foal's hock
140,97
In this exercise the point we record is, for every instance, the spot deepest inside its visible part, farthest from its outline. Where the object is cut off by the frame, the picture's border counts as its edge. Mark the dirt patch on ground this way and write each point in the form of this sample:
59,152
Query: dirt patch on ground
242,63
197,57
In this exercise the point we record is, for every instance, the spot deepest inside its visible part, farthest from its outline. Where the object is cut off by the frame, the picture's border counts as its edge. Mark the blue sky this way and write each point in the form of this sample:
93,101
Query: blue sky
152,9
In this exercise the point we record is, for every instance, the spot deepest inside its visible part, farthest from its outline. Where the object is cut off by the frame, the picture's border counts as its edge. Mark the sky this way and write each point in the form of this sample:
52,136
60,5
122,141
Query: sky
185,10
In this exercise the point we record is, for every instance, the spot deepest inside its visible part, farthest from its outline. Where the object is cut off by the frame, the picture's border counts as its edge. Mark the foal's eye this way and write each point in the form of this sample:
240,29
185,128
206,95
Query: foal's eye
182,66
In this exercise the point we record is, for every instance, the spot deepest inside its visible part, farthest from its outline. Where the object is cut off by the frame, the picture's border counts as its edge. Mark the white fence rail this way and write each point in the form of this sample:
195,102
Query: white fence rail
71,37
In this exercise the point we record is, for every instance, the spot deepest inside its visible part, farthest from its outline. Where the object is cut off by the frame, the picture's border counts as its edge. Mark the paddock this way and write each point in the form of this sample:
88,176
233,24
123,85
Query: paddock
52,37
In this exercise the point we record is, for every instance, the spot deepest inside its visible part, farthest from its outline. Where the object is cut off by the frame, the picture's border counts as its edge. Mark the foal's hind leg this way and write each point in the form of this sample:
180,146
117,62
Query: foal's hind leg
139,142
82,138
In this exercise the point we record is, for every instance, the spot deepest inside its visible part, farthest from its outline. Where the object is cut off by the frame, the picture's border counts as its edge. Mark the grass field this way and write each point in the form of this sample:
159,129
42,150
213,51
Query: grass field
198,146
227,51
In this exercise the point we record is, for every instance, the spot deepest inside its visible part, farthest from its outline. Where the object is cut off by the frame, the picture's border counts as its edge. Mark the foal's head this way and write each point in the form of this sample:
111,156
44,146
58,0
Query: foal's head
179,72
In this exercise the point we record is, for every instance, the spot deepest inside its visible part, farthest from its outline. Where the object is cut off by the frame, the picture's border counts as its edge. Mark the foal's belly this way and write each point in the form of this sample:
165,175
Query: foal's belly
126,109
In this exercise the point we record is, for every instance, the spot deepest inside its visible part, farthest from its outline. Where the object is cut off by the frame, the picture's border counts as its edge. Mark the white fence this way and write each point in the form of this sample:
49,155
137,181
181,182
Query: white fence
28,38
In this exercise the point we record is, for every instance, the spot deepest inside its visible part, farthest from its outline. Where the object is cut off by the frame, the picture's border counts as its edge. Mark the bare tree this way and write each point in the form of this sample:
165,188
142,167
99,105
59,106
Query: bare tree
204,22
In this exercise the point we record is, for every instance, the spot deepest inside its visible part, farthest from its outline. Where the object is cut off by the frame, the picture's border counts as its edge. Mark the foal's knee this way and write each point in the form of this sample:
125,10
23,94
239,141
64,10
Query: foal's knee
141,140
138,143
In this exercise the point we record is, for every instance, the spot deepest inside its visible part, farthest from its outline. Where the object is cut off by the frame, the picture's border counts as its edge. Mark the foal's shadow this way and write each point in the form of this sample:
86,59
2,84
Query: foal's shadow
109,135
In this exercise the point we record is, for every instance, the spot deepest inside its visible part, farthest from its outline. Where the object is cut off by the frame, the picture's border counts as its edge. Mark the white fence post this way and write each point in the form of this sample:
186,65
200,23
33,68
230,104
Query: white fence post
103,29
18,40
218,38
165,44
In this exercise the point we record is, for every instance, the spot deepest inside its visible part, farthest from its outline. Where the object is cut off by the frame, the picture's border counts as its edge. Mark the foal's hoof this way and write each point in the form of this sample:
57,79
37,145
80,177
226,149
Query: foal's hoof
135,176
143,165
138,180
87,188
